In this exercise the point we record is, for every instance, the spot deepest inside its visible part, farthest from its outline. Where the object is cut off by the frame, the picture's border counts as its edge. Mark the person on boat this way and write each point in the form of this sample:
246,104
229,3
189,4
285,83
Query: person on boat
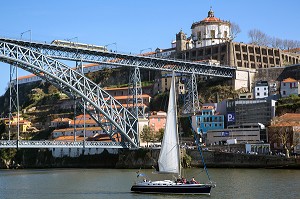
193,181
183,180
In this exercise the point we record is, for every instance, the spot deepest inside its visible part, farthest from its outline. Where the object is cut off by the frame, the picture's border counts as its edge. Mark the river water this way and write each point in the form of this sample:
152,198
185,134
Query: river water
115,184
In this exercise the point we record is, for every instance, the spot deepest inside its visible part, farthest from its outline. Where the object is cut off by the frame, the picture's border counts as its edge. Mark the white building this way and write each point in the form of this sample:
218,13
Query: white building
60,123
89,132
288,87
210,31
261,90
245,133
76,152
28,79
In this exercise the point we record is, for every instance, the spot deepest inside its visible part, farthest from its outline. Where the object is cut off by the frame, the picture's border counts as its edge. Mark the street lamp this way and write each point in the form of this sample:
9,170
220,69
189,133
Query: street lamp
72,39
115,43
22,33
145,49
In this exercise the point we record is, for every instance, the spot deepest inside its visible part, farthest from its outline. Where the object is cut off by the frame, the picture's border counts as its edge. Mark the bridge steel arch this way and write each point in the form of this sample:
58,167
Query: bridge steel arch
75,84
121,59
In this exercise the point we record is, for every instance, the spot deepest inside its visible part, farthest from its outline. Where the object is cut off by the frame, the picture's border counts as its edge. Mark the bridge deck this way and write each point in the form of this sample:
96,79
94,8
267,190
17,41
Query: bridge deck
60,144
121,59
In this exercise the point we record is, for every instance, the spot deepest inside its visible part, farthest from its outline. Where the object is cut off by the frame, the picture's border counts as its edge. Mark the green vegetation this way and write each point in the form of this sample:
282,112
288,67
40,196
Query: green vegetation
215,92
148,135
159,102
288,104
186,161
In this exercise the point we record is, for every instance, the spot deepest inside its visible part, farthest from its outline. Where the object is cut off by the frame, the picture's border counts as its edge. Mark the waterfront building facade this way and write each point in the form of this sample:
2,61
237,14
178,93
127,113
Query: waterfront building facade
209,119
244,133
284,132
157,120
242,111
258,148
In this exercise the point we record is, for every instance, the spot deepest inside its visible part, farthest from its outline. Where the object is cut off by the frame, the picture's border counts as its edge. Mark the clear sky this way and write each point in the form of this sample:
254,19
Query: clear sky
135,25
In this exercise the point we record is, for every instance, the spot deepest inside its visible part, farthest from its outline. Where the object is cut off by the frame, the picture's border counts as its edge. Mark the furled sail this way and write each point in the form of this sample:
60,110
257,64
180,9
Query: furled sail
169,157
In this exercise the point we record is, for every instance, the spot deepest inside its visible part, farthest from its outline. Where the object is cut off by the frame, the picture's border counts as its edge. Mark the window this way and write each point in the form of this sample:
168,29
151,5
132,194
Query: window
265,93
212,34
257,89
257,94
225,34
199,35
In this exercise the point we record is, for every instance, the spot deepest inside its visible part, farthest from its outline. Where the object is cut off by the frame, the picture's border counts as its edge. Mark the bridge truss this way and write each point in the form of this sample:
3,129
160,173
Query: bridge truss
39,58
103,106
120,59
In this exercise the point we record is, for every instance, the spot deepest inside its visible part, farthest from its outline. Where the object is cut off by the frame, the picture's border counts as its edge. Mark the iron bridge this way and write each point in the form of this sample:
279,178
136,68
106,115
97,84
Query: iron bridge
121,59
40,59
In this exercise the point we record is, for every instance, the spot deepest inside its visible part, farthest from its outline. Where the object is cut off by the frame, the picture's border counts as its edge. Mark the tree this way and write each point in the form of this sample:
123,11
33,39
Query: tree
276,43
259,38
235,30
52,89
296,140
160,134
284,136
147,134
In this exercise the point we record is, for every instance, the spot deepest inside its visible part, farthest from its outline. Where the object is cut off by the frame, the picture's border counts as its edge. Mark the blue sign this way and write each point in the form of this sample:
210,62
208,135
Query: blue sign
231,117
225,134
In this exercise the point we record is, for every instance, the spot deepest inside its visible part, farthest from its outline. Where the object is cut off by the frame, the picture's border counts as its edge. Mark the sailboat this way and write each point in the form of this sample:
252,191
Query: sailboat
169,160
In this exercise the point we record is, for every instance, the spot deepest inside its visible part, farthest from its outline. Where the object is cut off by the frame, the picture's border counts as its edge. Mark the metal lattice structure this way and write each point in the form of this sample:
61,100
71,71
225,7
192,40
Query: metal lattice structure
135,99
13,100
59,144
191,101
104,106
118,59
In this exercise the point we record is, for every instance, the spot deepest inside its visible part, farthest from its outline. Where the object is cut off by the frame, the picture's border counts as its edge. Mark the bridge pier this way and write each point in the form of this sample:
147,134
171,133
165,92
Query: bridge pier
191,100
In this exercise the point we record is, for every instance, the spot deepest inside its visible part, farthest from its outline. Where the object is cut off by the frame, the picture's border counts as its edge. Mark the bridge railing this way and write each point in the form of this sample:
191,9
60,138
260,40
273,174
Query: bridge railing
60,144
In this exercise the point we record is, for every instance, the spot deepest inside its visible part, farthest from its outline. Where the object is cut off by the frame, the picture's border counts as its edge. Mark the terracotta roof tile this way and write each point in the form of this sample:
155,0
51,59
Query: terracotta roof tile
289,80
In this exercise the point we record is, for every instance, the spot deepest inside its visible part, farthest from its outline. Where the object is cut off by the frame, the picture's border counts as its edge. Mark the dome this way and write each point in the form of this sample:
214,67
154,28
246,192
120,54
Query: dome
209,19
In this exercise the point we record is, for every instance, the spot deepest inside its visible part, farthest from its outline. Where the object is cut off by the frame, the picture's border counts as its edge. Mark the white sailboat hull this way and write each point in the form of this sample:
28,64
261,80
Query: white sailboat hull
170,187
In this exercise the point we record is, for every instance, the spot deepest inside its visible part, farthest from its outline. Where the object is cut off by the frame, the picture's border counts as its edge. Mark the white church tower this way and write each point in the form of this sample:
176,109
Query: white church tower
210,31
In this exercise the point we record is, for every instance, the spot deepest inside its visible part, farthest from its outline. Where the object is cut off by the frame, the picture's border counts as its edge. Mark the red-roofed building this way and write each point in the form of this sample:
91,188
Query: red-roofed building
89,132
284,133
157,120
288,87
61,123
24,125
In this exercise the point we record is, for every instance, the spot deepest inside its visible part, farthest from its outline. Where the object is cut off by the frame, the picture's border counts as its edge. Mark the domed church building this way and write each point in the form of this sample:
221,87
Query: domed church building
210,31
